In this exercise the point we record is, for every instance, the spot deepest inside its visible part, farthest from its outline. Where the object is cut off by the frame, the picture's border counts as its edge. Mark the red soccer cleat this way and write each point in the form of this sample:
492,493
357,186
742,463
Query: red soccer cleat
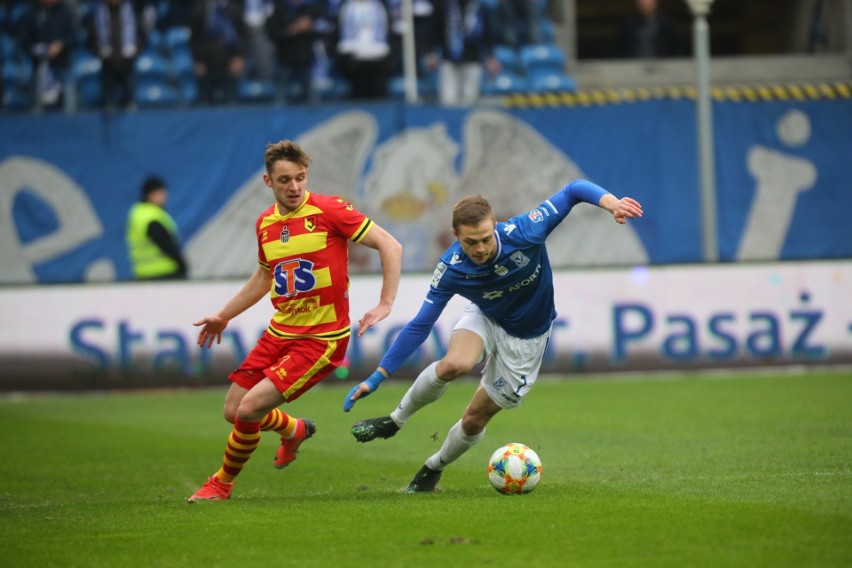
213,490
290,446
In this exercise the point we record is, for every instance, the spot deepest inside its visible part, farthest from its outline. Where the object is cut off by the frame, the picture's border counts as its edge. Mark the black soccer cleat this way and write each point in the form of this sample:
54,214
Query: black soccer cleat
424,481
372,428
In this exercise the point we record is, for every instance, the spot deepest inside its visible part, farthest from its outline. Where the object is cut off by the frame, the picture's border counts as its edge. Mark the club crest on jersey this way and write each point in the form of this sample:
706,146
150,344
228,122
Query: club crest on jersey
536,216
520,259
285,234
310,223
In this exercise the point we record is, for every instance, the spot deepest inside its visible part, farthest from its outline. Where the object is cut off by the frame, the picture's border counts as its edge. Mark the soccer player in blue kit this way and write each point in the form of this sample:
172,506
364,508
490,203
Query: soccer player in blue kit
503,269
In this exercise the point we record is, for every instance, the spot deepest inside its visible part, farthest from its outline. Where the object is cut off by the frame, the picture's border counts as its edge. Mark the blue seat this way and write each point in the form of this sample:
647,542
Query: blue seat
17,78
551,81
155,40
85,77
543,57
335,88
182,64
504,84
255,91
426,87
151,65
177,37
152,92
188,89
508,58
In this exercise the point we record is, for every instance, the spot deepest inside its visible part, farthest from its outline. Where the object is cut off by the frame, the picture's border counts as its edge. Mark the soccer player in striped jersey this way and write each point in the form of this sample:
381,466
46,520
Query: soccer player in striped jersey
303,265
503,269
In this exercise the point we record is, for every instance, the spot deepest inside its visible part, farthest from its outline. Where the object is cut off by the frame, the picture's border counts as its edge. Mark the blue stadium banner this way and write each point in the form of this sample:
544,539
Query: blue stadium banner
783,174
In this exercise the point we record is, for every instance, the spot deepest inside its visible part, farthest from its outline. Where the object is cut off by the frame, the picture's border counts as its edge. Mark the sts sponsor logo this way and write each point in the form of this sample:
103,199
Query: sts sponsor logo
294,277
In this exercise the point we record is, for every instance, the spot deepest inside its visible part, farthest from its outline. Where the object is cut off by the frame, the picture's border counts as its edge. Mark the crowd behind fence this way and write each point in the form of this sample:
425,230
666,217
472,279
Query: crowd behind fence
71,55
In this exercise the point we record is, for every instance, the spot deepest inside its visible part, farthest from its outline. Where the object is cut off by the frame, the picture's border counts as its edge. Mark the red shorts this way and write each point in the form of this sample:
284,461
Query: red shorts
293,365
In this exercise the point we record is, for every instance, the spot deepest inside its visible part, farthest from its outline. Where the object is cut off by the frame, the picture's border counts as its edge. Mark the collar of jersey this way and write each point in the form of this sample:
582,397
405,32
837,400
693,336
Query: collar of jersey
281,217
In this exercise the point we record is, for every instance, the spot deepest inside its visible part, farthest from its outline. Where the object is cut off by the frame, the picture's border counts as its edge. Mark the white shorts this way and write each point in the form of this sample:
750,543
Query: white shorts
512,364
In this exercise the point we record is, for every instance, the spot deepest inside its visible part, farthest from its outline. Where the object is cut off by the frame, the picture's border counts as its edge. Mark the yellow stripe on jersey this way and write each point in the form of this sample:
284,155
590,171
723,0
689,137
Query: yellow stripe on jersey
304,311
321,363
296,245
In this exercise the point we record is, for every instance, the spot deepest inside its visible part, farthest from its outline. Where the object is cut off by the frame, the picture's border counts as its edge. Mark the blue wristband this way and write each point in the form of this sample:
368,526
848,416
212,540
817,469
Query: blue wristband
373,381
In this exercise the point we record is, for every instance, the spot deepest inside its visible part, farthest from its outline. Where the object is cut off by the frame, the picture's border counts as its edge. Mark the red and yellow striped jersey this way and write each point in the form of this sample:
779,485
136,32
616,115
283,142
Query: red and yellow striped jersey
307,253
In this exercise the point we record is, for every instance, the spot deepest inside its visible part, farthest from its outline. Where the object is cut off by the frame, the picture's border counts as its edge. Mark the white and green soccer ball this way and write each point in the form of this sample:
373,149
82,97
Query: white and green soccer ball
514,468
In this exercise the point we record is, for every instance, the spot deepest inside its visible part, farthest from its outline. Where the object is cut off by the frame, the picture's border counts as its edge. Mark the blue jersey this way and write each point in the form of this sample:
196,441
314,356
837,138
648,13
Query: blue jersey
515,288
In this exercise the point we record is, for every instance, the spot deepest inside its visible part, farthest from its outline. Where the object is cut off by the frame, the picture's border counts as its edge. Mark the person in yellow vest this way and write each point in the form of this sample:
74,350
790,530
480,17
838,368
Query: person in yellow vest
152,236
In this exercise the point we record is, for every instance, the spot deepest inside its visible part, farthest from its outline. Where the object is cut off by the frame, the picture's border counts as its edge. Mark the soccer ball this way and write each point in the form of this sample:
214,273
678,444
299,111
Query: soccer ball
514,468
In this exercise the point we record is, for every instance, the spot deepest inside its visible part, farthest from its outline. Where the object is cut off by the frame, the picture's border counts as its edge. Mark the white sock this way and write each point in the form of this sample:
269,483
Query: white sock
426,389
456,444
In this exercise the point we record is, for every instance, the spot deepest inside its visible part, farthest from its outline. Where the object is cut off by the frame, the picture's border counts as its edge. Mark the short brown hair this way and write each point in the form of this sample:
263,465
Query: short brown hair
471,211
285,150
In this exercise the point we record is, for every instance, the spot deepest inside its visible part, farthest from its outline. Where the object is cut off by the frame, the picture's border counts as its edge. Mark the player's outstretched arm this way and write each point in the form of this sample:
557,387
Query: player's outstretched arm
364,389
390,253
621,209
257,287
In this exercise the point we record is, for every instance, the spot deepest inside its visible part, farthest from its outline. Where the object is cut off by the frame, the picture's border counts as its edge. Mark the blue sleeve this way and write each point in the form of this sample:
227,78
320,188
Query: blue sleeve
411,337
578,191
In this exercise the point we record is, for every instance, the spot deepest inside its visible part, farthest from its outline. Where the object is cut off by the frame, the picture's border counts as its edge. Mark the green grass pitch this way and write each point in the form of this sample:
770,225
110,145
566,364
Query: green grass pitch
739,470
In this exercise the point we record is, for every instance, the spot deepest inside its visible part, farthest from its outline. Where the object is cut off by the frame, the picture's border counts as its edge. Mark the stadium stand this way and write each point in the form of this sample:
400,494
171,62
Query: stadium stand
505,83
85,78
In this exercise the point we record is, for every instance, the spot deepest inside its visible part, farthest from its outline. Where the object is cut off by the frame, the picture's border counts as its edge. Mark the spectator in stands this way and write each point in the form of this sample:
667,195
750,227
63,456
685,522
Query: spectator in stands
152,236
325,25
47,33
363,48
217,44
259,48
462,34
291,27
520,21
648,33
115,34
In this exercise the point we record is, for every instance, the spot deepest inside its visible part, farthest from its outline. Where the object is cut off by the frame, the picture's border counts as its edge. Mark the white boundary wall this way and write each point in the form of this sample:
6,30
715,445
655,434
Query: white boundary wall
684,317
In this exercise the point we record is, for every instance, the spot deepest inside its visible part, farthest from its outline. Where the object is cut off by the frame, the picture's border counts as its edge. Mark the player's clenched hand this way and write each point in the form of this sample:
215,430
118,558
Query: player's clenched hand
212,330
626,208
372,317
362,390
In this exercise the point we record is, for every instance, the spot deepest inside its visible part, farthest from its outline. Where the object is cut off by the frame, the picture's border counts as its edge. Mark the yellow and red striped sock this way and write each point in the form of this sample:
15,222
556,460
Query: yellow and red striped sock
275,420
242,442
280,422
